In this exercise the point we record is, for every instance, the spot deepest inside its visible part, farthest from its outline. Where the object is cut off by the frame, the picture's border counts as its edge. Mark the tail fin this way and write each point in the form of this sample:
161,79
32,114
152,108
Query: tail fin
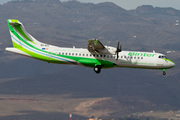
19,34
23,42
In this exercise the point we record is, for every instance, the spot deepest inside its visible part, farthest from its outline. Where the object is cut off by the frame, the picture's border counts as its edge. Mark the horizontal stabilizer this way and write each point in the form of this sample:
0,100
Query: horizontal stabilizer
17,51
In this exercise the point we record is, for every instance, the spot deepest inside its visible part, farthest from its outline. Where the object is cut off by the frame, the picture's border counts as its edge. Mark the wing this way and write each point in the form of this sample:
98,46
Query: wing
95,45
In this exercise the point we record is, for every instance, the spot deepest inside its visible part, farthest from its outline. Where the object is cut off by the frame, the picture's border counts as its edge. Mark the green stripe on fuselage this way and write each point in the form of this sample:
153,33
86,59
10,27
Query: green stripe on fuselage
88,62
38,56
168,60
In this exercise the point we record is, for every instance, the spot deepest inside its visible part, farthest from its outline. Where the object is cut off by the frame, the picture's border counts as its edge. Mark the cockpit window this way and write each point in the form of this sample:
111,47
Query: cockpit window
162,56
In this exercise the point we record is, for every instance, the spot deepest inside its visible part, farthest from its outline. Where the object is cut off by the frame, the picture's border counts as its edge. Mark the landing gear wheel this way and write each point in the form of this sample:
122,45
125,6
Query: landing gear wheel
164,73
97,69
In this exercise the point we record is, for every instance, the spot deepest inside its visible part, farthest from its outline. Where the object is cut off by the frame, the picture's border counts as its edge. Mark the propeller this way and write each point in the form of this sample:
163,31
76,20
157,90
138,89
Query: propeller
118,50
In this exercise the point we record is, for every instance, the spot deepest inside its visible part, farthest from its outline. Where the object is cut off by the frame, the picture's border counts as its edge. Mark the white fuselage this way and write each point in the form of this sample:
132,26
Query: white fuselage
133,59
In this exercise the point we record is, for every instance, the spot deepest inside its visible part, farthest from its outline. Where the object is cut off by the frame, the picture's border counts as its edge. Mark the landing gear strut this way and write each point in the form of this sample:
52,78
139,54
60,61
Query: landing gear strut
97,69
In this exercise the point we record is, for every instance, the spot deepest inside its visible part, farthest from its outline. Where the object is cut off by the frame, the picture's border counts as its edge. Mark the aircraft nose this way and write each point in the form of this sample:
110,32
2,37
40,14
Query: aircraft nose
172,64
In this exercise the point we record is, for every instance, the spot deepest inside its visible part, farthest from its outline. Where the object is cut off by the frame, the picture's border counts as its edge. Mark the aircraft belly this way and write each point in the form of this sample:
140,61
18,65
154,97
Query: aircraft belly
93,62
88,62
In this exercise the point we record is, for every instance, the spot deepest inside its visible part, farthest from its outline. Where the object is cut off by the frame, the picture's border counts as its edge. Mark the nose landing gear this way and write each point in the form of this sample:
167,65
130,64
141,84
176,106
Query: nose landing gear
164,71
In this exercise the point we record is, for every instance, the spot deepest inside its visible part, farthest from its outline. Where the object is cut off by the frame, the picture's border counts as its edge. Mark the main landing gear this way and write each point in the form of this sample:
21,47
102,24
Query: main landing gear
97,69
164,71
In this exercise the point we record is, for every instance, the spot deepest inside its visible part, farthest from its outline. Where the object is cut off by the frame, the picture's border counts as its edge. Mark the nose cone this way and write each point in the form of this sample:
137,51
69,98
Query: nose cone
171,63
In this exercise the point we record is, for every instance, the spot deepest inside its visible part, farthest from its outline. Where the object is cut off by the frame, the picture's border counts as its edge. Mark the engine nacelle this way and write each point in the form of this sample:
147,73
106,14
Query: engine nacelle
108,50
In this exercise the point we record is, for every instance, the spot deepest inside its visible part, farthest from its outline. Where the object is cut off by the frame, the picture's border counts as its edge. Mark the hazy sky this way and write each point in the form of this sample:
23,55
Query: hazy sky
132,4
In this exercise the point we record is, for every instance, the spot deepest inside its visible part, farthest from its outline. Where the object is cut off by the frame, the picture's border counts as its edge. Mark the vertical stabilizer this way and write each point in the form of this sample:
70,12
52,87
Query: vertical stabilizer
23,42
19,34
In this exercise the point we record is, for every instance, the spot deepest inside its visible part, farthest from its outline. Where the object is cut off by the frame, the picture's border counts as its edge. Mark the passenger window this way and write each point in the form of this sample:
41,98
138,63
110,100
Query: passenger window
90,55
59,53
69,53
62,53
97,55
138,57
141,57
72,53
66,53
86,54
121,56
94,55
79,54
134,57
107,56
83,54
104,55
131,57
76,54
124,56
101,55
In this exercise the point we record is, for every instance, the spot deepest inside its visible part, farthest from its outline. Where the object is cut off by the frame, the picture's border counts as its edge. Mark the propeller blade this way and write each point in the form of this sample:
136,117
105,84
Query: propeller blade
117,56
118,46
119,49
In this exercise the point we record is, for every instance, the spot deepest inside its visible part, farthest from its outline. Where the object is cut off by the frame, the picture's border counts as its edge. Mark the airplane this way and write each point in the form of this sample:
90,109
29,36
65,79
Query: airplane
96,55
